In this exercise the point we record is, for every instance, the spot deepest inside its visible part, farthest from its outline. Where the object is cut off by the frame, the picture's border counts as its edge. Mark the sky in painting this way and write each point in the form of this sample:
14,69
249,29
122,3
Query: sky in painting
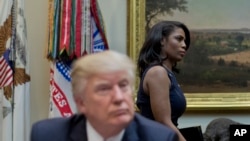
215,14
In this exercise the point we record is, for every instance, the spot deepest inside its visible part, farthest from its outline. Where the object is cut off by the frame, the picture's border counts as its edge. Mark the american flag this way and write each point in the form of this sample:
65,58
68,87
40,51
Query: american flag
6,73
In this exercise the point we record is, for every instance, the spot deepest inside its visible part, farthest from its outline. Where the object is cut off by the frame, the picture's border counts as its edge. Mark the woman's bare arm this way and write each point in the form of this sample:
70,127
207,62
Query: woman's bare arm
157,84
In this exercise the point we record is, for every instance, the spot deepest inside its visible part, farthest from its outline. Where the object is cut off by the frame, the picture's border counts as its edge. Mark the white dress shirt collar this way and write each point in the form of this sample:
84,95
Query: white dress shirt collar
93,135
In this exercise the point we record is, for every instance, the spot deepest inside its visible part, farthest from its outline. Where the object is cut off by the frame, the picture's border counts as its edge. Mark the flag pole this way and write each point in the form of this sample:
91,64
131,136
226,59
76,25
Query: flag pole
13,61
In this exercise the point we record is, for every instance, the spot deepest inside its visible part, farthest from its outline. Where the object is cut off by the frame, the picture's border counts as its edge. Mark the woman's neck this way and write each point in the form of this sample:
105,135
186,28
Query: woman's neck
167,65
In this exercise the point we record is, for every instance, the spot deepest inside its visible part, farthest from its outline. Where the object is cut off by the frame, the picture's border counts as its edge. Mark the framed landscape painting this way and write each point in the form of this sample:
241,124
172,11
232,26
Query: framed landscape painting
215,73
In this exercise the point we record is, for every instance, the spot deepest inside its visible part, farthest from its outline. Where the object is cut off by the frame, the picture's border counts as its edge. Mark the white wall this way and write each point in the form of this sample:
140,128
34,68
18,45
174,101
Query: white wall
36,12
114,13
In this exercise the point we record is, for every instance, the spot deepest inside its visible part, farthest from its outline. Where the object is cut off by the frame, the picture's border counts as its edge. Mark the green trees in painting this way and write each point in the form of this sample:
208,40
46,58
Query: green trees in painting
212,61
156,7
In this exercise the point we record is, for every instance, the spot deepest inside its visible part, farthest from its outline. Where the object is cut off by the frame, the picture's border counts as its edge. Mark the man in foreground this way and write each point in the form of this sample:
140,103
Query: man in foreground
102,86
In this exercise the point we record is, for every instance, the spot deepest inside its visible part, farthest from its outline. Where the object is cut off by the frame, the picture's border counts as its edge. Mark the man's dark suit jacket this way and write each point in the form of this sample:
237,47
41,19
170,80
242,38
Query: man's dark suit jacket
74,129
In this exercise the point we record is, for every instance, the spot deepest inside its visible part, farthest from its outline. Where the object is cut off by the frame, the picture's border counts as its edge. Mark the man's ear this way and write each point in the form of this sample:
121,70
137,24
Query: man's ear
80,103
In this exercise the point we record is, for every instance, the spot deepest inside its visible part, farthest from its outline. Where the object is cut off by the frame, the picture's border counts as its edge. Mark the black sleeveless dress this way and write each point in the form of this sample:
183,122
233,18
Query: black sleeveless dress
177,99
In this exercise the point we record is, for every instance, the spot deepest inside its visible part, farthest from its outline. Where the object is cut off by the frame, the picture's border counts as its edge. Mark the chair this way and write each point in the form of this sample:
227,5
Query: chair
193,133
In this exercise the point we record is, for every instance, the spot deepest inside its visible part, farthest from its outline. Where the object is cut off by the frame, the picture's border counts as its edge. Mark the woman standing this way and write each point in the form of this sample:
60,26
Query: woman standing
159,97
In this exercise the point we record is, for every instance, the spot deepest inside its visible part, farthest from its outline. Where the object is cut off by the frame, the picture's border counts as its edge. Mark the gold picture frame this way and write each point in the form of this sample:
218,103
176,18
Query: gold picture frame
196,102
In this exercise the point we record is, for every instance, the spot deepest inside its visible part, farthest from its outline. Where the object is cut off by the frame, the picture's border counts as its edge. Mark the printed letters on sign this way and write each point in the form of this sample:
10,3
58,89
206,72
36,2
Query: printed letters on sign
239,132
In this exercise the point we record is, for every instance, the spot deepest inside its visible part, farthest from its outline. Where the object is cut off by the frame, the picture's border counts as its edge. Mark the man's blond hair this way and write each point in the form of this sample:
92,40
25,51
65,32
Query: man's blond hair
99,63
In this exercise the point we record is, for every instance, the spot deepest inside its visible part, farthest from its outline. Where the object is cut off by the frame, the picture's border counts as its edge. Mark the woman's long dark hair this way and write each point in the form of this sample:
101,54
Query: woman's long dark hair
151,49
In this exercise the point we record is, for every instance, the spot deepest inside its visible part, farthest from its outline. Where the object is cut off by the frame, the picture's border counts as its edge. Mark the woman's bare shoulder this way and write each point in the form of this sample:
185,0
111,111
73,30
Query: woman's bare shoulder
157,73
156,70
